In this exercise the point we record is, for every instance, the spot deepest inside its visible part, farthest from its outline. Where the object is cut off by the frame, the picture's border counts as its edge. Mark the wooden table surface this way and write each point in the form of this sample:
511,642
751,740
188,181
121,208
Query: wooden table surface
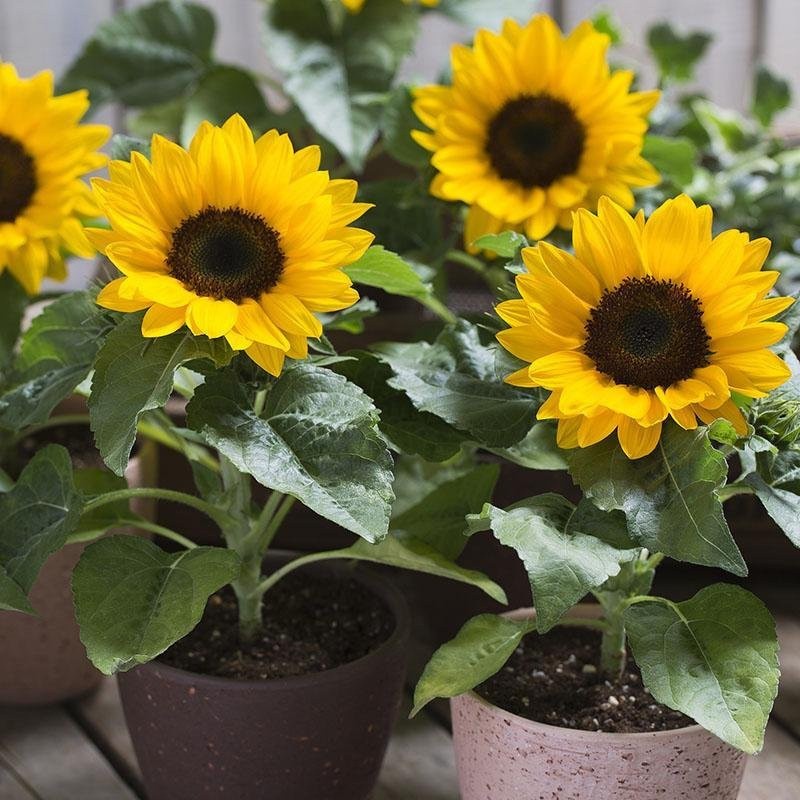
81,750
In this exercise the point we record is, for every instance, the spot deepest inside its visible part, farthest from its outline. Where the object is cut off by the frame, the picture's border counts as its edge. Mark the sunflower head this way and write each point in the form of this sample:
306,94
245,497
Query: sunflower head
533,127
44,153
235,237
647,320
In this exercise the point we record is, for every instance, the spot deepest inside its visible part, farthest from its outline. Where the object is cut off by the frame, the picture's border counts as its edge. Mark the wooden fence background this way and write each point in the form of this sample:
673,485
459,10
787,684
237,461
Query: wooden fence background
38,34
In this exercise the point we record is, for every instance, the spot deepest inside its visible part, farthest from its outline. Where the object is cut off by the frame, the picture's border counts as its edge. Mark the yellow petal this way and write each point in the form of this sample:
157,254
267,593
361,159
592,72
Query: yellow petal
162,320
636,441
213,318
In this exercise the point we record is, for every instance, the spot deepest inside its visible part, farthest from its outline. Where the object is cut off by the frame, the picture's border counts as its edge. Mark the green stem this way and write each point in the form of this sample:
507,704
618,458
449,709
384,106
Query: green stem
471,262
260,401
265,585
271,530
167,533
248,599
221,518
613,649
733,490
53,422
439,308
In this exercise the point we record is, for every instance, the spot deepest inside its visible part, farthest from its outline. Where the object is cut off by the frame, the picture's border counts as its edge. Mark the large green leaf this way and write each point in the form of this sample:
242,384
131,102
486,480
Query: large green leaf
669,497
339,75
713,657
145,56
783,505
438,518
56,354
563,564
221,92
316,439
478,651
132,375
673,156
35,517
460,380
386,270
406,552
399,120
408,430
14,302
133,600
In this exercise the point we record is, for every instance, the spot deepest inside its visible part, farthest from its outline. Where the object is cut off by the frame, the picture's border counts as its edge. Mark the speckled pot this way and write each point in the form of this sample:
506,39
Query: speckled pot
314,737
501,756
43,660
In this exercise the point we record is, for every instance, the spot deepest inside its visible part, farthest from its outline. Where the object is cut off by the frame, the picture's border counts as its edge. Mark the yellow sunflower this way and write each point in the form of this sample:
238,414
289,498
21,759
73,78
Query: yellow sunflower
237,238
534,126
355,6
44,153
646,320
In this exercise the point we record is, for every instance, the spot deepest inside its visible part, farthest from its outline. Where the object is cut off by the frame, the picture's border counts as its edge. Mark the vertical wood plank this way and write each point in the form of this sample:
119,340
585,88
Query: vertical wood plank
725,73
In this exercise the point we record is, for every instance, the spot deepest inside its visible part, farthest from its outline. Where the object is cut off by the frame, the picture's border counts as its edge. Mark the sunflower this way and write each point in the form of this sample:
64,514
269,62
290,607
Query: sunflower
44,152
533,127
647,320
355,6
237,238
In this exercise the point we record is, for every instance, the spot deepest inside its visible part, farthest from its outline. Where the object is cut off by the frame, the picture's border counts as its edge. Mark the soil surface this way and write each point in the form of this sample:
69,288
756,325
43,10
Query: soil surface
554,679
77,439
311,624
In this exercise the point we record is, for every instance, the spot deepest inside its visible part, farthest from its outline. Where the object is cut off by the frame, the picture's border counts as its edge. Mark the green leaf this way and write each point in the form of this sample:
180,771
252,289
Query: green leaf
56,354
340,75
438,517
478,651
483,14
399,120
35,518
317,439
604,22
538,450
133,600
772,95
222,92
14,302
673,157
408,430
669,497
458,379
409,553
122,146
505,245
145,56
713,657
676,56
386,270
133,375
781,504
563,564
351,320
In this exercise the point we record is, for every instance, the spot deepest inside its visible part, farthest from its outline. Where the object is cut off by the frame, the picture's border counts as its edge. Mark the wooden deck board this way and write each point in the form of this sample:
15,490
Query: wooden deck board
775,773
787,704
50,754
11,788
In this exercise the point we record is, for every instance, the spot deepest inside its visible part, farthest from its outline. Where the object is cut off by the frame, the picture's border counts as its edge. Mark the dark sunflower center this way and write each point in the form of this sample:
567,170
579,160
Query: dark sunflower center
535,140
647,333
17,178
226,253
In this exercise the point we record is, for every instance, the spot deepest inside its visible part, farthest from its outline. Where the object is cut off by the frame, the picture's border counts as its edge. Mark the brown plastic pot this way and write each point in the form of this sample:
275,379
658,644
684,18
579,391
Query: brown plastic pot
502,756
313,737
43,660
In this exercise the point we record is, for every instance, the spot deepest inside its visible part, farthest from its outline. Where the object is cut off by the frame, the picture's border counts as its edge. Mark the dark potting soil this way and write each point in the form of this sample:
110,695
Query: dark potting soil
77,439
554,679
311,624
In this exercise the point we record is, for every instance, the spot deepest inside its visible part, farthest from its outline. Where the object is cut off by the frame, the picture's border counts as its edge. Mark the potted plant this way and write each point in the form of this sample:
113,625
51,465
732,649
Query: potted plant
661,361
43,205
290,685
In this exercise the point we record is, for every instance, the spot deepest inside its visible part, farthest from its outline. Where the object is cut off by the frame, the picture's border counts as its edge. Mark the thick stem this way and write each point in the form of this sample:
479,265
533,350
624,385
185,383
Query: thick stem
249,599
613,650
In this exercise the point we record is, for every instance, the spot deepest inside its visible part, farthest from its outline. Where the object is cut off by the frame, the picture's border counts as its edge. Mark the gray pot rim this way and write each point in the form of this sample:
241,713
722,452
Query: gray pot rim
582,609
384,589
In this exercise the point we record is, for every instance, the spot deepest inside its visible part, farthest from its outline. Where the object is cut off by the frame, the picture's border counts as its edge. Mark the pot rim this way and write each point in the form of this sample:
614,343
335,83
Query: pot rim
582,609
384,589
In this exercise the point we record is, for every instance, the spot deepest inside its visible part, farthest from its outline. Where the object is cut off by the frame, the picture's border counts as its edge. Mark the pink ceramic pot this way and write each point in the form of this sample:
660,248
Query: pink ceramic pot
501,756
43,660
